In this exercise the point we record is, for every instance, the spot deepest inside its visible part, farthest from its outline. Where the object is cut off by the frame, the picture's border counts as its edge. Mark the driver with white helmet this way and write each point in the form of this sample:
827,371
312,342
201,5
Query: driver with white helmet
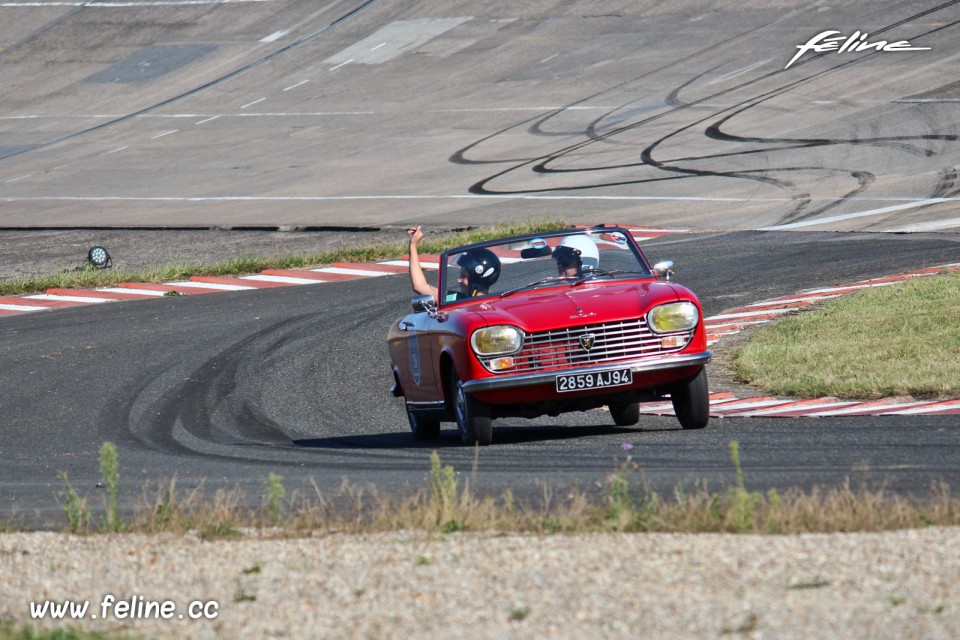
576,254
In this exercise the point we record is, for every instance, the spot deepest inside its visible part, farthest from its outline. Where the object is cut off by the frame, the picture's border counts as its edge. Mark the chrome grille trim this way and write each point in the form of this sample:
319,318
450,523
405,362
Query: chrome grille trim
561,349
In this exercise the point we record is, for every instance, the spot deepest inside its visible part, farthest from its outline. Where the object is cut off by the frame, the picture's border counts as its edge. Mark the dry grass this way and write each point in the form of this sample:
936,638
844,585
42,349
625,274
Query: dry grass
446,505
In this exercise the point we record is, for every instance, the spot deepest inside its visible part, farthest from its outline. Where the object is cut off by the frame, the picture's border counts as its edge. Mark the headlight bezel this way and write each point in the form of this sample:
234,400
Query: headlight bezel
514,346
685,316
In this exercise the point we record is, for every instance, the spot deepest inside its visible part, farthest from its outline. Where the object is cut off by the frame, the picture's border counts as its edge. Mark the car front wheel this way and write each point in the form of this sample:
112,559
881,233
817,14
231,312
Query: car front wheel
625,414
691,401
423,428
473,416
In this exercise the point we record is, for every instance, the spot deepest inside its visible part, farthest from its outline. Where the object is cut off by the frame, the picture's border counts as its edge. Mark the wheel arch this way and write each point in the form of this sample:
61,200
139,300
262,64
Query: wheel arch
447,367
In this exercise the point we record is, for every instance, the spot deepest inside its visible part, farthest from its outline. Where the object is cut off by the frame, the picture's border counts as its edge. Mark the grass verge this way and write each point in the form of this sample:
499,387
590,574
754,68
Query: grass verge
92,278
448,503
902,339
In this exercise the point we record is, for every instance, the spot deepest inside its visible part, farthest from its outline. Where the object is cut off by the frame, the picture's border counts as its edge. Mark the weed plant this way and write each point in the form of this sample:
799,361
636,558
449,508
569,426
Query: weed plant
625,504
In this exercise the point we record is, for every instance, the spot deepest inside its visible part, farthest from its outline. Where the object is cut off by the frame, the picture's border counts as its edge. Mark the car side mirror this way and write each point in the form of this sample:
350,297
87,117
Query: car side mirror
663,270
423,303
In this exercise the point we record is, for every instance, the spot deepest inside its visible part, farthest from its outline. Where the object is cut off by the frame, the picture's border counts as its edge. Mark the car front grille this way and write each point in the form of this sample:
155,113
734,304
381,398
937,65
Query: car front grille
567,348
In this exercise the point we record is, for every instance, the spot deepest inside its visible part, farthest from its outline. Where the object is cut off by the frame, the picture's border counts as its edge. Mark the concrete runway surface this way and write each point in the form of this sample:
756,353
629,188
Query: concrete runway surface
214,113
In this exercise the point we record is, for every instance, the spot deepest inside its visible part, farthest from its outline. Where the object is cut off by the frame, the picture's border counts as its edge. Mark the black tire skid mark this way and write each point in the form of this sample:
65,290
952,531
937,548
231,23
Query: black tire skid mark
541,165
535,123
864,178
215,403
946,184
189,402
671,101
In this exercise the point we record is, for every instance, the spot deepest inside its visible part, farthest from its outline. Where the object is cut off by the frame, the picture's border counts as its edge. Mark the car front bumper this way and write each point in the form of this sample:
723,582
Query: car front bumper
645,365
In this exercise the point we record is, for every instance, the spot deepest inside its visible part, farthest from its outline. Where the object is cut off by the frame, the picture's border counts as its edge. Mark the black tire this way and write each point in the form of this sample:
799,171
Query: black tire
691,401
423,428
473,416
625,414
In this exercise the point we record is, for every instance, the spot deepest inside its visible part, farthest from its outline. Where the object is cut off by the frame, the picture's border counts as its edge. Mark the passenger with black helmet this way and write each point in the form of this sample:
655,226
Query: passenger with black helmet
479,269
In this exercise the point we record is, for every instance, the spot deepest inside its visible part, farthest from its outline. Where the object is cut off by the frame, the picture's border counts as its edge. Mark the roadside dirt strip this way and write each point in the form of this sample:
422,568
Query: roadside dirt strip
727,323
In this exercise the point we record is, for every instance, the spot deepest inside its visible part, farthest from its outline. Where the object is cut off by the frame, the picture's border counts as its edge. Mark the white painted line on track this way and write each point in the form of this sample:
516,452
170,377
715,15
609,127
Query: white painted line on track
250,104
755,404
859,214
352,272
738,72
406,263
934,225
210,285
858,408
276,35
770,303
205,120
142,292
287,279
294,86
802,407
749,314
940,406
508,109
19,178
55,298
21,307
107,153
462,196
345,62
853,286
165,133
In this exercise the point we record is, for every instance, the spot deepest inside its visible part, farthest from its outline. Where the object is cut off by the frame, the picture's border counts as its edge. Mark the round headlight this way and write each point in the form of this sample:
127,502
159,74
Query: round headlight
676,316
495,341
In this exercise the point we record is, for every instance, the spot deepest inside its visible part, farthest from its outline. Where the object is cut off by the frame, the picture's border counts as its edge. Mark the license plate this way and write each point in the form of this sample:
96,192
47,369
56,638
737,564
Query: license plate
582,381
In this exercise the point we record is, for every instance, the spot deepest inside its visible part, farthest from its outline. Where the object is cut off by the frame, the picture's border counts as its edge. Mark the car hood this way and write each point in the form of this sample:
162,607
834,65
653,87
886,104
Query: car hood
545,310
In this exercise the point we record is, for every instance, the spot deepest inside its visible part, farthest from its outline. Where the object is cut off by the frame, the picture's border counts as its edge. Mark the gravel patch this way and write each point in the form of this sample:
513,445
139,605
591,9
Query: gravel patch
903,584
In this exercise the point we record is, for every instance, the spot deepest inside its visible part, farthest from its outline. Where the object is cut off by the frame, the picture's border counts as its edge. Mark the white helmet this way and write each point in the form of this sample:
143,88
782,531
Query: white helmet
580,247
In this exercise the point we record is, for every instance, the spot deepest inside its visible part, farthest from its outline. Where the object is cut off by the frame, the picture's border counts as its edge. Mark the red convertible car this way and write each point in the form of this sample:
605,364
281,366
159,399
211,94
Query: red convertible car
545,324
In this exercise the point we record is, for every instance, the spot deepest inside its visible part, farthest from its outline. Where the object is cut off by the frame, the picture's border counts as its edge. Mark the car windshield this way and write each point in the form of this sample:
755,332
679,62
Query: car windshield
570,258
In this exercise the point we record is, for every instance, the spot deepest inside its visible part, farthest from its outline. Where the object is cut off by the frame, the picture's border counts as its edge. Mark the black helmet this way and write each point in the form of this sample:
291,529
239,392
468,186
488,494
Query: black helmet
482,267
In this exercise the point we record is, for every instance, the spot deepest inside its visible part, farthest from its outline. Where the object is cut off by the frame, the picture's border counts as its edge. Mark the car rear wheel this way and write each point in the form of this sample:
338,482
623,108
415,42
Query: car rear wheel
625,414
691,401
473,416
423,428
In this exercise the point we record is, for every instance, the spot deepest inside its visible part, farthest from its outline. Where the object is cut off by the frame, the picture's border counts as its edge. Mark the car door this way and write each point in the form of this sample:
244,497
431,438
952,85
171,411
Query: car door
413,353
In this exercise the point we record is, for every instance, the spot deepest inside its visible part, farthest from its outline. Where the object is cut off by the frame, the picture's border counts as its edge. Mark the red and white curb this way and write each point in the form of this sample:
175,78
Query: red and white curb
726,405
736,320
59,298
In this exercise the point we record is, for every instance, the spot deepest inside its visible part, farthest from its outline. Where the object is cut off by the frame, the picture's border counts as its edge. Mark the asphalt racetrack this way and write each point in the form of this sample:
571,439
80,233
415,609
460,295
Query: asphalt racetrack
290,115
228,388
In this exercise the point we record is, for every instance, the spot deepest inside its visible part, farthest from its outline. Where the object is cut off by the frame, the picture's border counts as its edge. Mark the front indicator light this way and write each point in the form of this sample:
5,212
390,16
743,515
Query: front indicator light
496,341
674,342
675,316
501,364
